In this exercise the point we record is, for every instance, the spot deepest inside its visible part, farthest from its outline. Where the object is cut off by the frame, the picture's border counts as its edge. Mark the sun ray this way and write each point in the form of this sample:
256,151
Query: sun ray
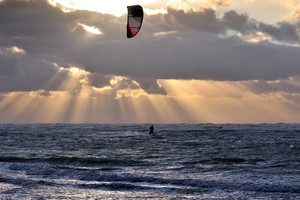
124,101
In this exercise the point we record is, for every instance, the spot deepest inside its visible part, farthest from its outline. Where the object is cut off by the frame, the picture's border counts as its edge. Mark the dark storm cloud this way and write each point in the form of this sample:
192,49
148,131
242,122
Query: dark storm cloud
194,50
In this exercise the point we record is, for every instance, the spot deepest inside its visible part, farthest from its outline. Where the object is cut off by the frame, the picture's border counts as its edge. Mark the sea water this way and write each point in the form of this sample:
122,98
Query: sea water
181,161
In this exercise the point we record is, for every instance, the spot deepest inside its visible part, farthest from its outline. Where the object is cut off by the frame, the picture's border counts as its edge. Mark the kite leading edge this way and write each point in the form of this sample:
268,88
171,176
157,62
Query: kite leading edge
134,20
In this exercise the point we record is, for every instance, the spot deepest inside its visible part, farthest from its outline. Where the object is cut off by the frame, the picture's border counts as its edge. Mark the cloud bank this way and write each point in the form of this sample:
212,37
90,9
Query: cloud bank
176,45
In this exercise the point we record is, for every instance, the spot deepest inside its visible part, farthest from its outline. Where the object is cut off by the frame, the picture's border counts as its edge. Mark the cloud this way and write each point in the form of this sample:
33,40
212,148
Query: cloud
29,74
285,31
293,6
191,48
288,86
204,20
220,2
8,62
239,22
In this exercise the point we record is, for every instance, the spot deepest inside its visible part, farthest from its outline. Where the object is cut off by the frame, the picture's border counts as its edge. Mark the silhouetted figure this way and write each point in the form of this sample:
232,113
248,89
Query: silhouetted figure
151,130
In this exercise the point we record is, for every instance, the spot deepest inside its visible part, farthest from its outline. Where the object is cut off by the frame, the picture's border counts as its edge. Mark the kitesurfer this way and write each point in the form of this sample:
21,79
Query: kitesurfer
151,130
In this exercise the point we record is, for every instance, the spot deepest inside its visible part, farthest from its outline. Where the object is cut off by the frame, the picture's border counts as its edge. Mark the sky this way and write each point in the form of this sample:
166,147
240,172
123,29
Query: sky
193,61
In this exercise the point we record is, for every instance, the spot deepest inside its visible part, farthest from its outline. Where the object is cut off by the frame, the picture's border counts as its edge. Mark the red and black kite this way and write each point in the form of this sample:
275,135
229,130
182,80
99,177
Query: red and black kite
134,20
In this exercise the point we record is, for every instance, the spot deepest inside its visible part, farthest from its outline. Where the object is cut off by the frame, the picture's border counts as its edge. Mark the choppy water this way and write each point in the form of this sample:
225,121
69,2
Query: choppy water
205,161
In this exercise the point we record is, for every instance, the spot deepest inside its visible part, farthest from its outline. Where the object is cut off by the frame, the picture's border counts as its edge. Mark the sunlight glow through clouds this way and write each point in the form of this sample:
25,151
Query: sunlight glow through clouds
188,101
79,96
255,38
118,7
115,7
278,9
12,50
91,29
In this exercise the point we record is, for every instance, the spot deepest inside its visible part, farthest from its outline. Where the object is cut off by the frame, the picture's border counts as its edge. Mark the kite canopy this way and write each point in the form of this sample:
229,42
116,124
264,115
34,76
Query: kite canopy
134,20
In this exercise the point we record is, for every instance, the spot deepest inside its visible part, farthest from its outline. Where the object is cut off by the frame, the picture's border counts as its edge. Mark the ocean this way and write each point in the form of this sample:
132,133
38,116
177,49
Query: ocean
122,161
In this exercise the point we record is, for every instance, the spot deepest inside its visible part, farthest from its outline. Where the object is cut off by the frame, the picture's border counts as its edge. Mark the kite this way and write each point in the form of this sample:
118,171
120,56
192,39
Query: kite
134,20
